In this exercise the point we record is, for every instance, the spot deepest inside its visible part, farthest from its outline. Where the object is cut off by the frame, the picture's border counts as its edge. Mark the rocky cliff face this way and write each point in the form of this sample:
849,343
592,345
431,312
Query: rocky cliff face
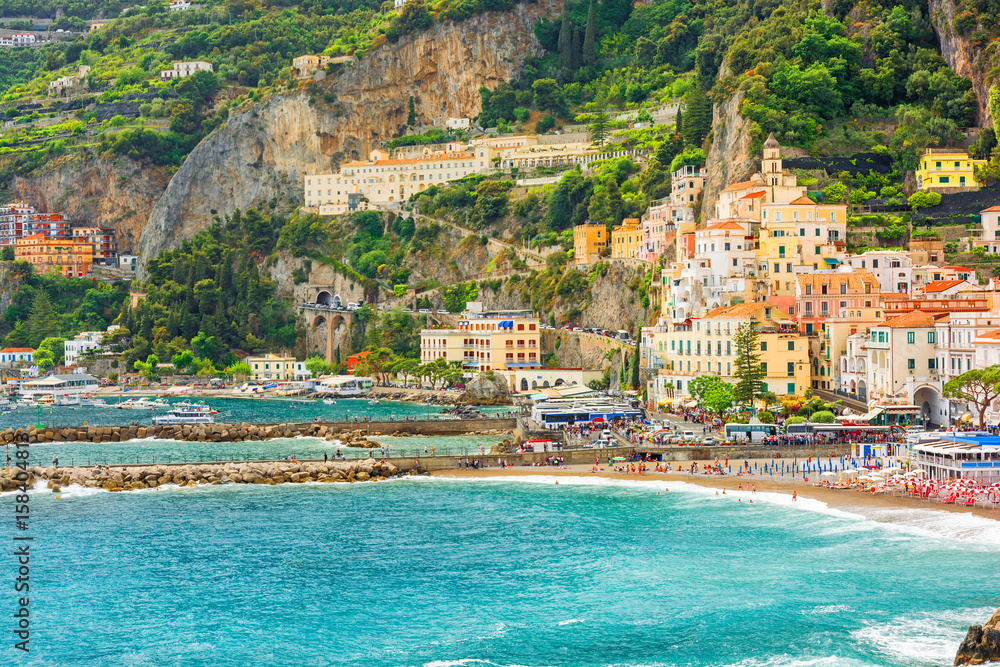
268,147
115,193
728,160
960,55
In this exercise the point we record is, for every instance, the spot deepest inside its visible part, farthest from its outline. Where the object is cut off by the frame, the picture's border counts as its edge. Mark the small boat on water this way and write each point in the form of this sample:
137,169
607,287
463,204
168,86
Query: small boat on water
199,407
184,416
142,404
374,401
329,401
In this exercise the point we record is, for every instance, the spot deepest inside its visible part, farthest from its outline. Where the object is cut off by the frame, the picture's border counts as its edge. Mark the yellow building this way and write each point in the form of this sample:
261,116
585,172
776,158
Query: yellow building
796,234
588,241
942,168
272,367
487,341
626,238
706,346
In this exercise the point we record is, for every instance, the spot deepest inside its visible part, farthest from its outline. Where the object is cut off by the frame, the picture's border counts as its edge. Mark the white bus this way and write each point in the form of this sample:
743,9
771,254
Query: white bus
751,432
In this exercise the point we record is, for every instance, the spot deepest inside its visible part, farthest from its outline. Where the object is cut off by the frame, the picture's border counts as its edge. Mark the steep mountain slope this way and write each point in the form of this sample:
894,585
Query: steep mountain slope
269,147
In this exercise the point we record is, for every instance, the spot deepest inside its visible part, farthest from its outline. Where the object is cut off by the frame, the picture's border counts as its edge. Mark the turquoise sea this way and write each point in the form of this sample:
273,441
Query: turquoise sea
231,410
153,450
441,573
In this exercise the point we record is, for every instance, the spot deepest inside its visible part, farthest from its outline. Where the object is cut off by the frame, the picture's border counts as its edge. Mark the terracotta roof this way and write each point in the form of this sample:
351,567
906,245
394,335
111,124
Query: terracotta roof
802,200
744,185
724,225
992,335
755,195
855,281
739,311
991,209
956,268
17,349
912,320
941,285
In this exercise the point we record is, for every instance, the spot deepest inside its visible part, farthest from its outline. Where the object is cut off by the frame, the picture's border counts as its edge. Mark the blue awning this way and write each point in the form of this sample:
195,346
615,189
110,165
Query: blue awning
832,260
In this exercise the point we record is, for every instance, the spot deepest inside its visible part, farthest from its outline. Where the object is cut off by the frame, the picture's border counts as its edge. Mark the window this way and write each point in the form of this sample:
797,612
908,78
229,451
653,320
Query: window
930,337
791,369
943,179
931,364
791,387
911,364
818,250
763,346
791,346
763,367
911,337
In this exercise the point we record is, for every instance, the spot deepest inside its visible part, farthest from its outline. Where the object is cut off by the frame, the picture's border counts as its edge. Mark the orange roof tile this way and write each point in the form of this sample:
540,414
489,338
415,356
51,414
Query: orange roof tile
913,320
17,349
991,209
755,195
940,285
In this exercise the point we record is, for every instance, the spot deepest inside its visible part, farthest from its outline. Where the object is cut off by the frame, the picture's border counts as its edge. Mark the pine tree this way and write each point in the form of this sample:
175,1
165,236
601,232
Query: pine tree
411,118
575,50
635,365
599,126
43,321
748,371
565,41
679,123
698,120
590,38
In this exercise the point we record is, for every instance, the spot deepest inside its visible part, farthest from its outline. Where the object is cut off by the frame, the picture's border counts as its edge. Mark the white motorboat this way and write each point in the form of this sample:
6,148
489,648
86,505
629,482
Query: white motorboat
329,401
179,416
374,401
200,408
142,404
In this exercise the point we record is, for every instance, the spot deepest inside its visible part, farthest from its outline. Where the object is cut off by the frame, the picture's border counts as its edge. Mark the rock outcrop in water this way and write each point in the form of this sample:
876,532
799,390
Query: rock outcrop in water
131,478
485,390
982,644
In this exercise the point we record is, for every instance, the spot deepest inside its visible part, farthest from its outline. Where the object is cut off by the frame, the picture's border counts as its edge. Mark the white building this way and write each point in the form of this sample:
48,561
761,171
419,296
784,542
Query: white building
179,5
80,345
892,269
991,229
185,68
51,385
458,123
128,263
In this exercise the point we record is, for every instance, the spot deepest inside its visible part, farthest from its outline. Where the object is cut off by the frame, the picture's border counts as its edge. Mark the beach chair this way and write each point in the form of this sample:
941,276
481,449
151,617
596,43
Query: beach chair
971,500
951,498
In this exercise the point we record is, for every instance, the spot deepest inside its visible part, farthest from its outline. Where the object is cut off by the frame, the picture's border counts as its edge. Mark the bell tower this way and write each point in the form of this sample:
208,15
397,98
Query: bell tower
771,165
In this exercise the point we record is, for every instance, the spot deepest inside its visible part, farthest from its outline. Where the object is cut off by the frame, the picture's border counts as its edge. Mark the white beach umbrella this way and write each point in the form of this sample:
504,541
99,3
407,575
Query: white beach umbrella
918,472
850,472
828,474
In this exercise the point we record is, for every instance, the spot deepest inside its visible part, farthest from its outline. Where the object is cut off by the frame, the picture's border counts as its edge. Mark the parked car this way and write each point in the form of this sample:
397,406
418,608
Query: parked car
443,312
424,311
407,310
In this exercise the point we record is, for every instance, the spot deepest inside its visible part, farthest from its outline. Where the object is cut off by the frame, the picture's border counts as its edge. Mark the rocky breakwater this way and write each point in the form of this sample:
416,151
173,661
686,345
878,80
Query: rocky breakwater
132,478
193,433
982,644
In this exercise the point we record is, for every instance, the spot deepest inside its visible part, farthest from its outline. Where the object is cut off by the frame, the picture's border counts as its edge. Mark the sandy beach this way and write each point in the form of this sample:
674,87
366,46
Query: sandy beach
843,499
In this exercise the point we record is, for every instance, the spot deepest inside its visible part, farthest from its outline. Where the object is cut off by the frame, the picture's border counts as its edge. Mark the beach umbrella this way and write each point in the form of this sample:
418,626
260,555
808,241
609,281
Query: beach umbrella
828,474
850,472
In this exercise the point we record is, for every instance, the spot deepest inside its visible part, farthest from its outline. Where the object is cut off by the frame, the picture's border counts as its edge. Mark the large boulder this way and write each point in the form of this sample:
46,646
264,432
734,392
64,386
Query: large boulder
982,644
486,389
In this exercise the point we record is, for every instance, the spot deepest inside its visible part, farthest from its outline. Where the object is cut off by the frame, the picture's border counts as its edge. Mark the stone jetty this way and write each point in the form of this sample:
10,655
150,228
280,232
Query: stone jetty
129,478
243,432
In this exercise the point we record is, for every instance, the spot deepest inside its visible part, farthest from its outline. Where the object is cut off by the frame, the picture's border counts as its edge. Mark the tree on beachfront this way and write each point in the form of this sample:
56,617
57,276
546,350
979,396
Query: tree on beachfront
241,369
979,387
748,372
699,387
719,398
316,365
147,368
183,360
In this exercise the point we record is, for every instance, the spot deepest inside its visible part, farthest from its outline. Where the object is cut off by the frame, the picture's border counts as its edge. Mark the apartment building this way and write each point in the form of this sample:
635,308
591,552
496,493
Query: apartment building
626,239
72,260
102,239
383,181
272,367
705,346
588,241
499,341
